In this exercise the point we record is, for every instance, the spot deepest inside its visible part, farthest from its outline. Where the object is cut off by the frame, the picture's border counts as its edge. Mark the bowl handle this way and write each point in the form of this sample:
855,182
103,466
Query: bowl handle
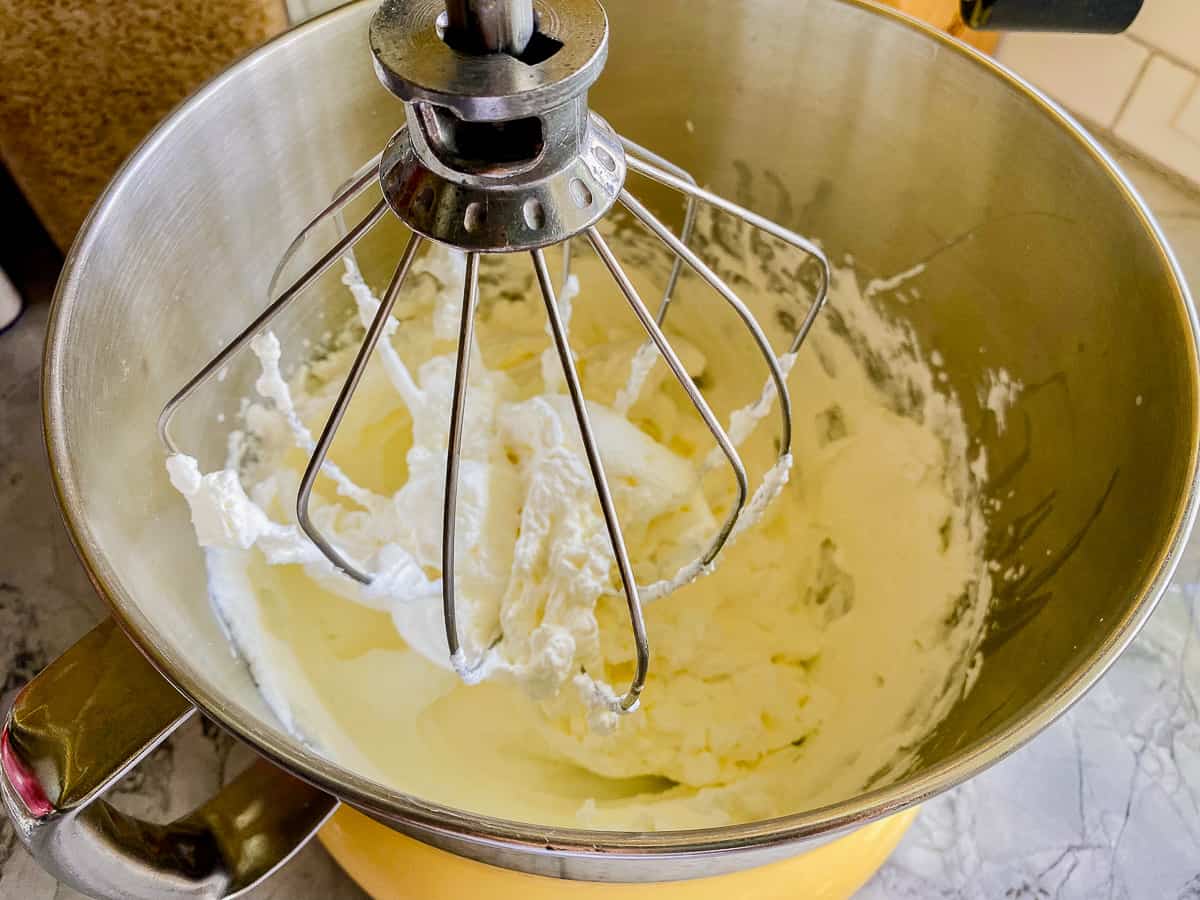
85,721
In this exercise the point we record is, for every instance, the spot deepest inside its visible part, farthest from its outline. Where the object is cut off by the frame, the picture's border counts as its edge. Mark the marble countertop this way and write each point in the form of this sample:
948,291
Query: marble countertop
1104,804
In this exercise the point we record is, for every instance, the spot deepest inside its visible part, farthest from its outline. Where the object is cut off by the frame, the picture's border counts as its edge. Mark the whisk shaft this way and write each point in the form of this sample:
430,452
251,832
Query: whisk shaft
491,26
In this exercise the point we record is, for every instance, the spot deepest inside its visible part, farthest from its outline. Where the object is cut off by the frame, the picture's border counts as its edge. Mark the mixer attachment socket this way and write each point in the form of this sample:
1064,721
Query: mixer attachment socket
500,152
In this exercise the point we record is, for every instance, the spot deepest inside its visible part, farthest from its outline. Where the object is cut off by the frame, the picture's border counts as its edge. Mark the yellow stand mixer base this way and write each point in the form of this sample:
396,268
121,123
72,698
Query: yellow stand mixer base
391,866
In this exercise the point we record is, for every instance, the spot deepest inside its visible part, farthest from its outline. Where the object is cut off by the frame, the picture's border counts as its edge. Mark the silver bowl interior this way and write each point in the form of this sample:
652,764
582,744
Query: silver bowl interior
865,130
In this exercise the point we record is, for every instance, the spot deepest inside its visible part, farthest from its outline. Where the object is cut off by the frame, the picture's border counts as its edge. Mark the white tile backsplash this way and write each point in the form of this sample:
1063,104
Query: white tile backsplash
1143,86
1188,120
1090,74
1172,26
1151,122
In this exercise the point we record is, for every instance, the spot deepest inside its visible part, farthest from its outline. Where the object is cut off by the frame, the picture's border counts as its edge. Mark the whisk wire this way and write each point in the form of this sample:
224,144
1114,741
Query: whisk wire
629,701
566,262
689,215
466,335
656,173
263,319
698,265
316,460
685,381
347,191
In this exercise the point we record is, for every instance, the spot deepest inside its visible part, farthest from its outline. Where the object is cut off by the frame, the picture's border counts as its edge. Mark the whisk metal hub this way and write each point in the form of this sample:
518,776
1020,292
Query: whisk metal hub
560,196
499,152
415,62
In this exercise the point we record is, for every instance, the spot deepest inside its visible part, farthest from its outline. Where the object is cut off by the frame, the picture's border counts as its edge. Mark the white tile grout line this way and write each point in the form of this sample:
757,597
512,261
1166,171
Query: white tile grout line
1152,49
1170,57
1133,86
1179,112
1110,132
1111,142
1115,146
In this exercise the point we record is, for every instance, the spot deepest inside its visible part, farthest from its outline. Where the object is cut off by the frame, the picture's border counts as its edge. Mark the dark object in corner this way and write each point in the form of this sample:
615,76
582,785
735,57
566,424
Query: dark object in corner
1099,16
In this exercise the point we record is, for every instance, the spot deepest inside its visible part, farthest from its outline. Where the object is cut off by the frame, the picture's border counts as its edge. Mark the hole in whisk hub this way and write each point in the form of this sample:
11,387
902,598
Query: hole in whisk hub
581,193
491,148
540,48
475,217
605,158
535,213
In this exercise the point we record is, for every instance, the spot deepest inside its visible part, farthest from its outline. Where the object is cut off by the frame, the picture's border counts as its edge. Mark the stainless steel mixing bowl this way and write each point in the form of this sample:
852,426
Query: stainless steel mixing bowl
884,139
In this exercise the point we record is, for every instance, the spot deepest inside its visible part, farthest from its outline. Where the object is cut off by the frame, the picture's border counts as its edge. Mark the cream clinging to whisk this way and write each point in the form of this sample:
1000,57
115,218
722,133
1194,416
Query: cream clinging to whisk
501,154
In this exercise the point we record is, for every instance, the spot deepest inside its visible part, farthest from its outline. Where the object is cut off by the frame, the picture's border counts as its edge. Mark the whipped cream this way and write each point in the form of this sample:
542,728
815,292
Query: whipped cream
809,664
533,557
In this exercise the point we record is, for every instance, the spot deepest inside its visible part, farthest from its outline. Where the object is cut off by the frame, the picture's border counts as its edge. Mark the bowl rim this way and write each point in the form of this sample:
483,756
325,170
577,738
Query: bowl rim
395,807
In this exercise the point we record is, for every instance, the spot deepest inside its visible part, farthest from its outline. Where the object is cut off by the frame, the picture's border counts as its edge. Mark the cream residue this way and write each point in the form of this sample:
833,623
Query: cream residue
881,285
1000,393
811,662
